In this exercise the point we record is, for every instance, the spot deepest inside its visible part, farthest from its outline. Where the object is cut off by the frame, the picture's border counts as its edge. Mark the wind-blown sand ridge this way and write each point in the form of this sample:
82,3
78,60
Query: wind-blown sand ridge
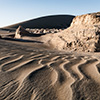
36,71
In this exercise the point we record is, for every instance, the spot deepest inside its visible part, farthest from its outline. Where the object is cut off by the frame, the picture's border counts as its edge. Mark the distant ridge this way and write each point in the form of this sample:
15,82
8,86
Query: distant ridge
53,21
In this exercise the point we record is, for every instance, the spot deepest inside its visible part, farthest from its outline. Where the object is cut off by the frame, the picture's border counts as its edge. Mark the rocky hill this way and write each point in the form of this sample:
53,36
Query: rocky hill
82,35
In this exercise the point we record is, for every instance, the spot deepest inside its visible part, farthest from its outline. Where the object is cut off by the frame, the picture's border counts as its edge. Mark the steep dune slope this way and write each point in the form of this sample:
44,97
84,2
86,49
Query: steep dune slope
54,21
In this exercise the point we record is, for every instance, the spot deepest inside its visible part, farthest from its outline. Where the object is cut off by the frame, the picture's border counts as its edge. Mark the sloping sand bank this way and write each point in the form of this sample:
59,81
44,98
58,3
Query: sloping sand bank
32,68
31,71
53,21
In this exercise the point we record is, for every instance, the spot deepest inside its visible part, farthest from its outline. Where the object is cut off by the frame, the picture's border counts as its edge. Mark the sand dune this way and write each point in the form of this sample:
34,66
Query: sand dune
53,21
33,69
27,73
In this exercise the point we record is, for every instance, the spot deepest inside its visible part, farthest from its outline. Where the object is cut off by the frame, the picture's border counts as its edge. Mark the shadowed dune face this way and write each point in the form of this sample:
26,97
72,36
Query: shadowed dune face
56,21
31,70
27,73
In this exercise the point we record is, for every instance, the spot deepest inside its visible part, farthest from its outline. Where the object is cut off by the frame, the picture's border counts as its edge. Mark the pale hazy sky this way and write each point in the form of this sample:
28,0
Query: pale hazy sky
14,11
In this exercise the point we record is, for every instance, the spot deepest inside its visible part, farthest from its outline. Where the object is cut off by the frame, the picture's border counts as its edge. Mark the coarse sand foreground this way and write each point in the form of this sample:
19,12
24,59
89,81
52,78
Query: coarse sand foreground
34,72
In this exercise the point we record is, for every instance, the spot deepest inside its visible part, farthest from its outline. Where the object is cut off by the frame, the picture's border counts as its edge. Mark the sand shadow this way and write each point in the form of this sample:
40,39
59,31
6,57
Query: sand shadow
21,40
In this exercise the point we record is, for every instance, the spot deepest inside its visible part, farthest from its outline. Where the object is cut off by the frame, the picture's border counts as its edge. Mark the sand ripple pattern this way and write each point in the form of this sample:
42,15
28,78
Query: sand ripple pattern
48,75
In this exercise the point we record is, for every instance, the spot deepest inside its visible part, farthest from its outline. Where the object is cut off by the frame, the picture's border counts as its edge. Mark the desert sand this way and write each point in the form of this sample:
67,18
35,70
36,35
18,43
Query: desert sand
33,68
53,21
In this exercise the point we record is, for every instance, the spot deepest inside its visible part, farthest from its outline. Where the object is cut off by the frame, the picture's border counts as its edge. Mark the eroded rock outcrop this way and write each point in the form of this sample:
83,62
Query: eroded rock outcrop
86,20
20,31
82,35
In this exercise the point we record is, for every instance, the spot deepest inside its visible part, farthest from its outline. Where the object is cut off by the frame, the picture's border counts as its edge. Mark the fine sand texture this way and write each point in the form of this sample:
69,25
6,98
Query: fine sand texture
35,65
32,71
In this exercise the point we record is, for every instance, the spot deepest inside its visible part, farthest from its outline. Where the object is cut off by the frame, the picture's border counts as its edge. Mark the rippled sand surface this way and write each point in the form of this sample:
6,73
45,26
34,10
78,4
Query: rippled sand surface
32,71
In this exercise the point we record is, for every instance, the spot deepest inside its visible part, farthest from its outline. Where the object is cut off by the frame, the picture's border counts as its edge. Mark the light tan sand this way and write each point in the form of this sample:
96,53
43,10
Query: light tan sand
31,71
